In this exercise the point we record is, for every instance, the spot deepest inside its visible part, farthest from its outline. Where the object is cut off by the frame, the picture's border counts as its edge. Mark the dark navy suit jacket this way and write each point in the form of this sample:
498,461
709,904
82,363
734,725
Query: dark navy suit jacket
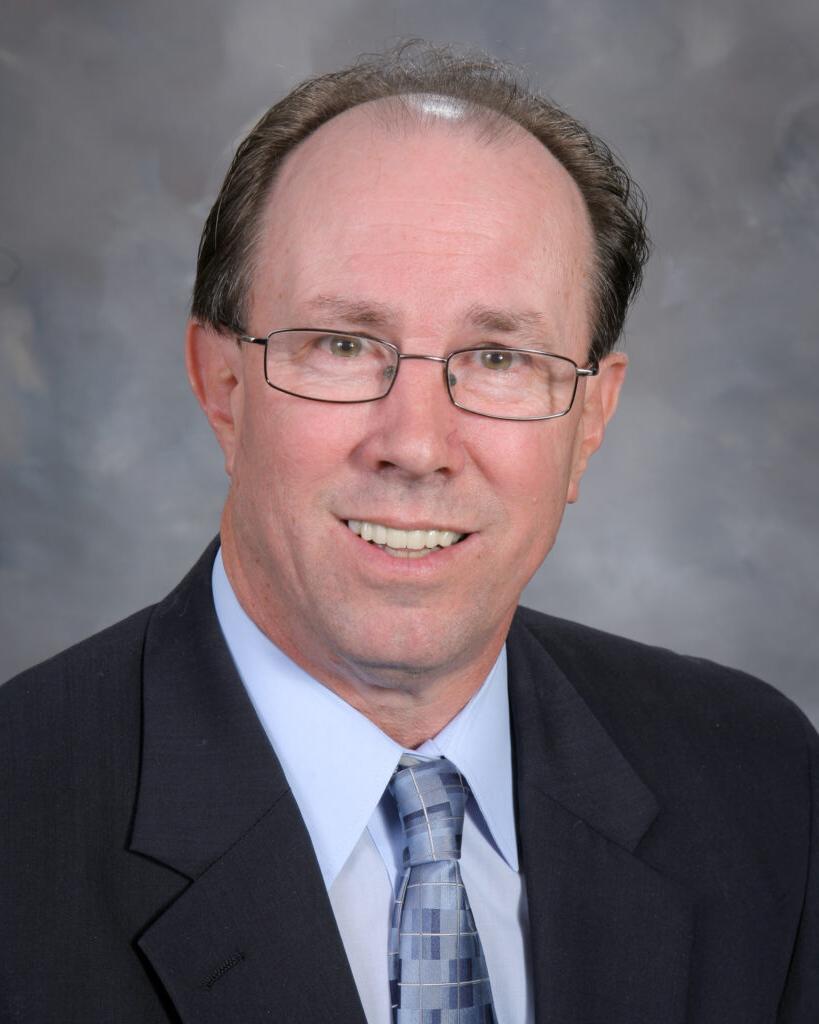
154,866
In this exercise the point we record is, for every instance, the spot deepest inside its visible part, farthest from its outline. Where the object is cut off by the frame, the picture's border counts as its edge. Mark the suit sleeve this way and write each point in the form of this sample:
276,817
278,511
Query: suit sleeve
800,999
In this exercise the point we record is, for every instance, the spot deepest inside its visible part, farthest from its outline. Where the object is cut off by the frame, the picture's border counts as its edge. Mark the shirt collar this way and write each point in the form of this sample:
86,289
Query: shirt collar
477,741
338,763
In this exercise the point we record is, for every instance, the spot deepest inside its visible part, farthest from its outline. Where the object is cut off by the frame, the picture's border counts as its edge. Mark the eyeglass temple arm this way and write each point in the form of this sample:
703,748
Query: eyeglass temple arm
254,341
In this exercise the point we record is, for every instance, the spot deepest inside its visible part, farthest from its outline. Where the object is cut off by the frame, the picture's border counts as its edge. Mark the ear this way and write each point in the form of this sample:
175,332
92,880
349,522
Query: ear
214,370
599,404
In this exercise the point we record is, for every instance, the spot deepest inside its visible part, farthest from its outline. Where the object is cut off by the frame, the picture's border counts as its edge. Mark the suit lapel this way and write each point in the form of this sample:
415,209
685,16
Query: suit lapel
610,937
253,937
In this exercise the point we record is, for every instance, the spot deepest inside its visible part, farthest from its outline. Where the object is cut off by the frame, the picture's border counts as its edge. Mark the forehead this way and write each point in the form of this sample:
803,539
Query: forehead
371,201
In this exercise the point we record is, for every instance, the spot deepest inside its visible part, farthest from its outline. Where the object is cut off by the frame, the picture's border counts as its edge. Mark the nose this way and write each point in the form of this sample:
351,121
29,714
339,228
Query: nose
415,431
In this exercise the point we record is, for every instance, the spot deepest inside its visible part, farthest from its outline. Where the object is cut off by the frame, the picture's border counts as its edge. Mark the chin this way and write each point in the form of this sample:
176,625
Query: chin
417,656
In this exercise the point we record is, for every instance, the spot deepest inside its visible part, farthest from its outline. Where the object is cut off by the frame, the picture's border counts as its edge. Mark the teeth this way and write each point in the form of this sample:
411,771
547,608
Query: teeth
394,538
412,540
416,539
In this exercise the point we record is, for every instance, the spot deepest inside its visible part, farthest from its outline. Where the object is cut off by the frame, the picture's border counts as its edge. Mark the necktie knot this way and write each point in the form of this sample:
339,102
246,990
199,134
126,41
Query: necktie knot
431,797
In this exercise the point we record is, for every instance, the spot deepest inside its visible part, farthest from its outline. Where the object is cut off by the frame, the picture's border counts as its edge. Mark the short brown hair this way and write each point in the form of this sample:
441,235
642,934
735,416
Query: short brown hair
484,86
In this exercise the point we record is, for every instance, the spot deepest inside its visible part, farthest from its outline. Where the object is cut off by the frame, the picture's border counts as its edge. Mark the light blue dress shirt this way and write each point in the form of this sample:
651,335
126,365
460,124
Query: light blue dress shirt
338,764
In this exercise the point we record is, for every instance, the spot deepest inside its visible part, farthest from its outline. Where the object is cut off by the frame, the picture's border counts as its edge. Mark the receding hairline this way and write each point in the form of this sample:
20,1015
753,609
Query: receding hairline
414,111
423,112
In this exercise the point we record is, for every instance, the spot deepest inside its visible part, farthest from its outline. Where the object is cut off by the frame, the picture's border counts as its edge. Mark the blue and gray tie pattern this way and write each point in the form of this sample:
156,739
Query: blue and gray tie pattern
438,972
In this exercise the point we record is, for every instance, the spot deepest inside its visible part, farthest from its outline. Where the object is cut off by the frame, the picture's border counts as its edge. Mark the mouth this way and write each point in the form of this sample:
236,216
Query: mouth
411,543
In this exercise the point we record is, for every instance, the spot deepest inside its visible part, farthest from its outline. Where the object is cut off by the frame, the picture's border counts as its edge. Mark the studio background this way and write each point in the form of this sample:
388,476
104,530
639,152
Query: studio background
696,527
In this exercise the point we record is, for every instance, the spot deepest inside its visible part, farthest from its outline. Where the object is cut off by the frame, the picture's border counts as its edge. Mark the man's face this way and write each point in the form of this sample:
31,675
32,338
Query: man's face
433,240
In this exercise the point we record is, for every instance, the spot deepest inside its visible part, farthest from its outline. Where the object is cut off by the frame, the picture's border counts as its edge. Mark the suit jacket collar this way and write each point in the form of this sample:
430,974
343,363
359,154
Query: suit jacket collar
208,773
564,751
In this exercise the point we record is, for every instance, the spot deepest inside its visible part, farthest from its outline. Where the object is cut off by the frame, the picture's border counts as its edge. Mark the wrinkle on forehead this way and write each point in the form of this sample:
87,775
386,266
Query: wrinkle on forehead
381,314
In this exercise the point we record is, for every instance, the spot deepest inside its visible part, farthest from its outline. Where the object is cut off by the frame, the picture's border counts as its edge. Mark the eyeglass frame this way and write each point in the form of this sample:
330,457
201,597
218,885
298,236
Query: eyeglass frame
580,371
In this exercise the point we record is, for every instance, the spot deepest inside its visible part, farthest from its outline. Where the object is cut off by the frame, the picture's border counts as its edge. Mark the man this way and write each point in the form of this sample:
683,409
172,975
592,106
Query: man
407,299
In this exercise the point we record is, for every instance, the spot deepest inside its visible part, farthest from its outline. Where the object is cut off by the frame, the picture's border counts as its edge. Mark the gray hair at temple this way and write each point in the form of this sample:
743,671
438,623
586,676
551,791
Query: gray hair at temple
426,83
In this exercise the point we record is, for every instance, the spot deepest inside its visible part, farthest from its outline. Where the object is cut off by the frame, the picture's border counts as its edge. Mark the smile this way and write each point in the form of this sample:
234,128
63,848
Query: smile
404,543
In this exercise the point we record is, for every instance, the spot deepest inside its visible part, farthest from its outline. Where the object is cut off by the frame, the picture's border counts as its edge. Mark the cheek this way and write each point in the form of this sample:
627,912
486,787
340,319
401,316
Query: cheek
531,469
287,452
530,460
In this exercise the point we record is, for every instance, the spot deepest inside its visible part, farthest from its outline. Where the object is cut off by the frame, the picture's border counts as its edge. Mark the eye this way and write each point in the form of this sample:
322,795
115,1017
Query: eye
497,359
343,347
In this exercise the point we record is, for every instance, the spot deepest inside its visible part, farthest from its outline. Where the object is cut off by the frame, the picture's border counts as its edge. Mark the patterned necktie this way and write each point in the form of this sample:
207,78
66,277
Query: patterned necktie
438,972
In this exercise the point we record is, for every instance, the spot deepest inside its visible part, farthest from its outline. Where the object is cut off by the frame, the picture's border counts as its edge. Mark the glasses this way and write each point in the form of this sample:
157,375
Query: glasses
501,383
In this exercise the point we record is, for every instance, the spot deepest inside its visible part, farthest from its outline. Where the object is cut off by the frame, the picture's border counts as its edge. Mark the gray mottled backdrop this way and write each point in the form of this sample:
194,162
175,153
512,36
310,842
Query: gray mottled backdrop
697,523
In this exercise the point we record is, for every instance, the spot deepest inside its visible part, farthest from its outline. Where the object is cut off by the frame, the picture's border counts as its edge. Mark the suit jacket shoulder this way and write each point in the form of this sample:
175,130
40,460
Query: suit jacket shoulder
630,685
100,669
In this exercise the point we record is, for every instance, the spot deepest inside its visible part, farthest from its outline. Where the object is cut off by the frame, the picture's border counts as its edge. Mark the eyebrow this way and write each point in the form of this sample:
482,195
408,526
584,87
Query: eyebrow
504,321
379,315
368,314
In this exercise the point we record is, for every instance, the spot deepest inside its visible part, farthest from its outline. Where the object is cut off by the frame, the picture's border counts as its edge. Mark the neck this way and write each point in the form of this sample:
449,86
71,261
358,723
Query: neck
408,716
